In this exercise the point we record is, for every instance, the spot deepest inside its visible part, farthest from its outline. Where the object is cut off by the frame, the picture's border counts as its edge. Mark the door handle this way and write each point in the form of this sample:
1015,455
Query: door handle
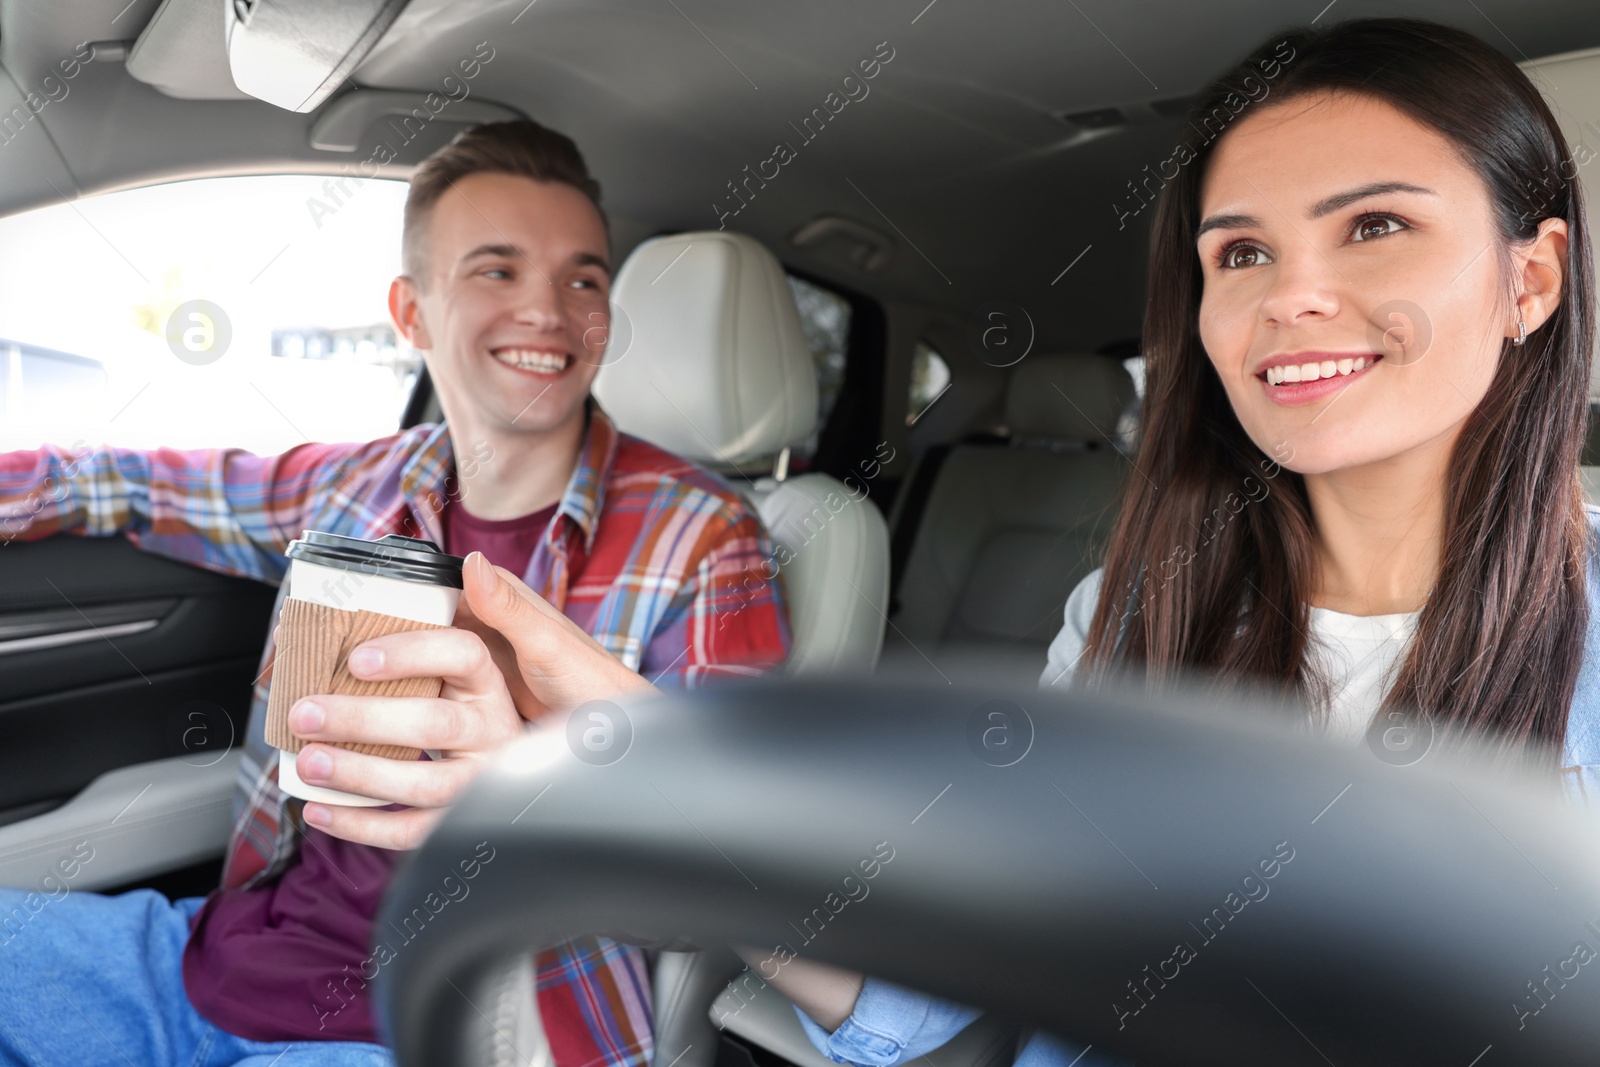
27,631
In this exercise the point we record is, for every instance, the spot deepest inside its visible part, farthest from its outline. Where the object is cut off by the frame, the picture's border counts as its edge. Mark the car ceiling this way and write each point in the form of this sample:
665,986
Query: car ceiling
957,152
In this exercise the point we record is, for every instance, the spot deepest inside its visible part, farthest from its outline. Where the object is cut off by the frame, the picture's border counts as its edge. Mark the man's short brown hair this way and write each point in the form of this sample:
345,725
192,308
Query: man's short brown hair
521,147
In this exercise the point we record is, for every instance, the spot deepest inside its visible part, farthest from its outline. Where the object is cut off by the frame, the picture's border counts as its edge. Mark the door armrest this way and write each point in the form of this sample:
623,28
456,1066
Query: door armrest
127,824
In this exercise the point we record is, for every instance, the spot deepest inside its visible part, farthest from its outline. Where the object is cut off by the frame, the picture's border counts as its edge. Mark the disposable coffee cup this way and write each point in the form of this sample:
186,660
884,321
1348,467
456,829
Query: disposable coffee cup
401,577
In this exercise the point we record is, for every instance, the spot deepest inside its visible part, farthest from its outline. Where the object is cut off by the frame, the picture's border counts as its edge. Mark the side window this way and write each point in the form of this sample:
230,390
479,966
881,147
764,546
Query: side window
930,377
248,312
1135,365
825,317
1128,425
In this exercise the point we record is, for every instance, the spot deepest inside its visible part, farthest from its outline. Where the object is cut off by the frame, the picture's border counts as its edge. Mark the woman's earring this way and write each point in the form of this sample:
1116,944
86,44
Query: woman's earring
1522,333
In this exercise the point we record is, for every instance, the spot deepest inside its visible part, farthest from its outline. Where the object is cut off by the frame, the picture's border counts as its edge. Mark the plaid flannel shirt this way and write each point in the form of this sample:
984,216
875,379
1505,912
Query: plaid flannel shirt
677,556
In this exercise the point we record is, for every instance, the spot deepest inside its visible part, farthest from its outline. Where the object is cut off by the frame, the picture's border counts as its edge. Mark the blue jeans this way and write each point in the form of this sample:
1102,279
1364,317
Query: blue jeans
97,980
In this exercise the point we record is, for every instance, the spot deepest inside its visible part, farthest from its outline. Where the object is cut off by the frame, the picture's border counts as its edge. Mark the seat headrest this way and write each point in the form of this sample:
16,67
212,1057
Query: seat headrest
718,369
1077,398
1571,86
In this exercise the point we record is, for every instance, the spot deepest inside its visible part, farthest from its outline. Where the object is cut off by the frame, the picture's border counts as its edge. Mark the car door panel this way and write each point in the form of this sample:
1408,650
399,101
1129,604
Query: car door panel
111,656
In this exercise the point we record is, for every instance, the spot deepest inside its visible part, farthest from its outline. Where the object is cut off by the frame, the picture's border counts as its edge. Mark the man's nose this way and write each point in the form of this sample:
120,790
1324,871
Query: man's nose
538,301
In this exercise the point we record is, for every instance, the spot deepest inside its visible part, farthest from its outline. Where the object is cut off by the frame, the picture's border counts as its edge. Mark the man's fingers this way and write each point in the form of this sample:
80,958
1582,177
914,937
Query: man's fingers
489,596
499,598
415,722
418,783
458,656
560,662
398,830
466,619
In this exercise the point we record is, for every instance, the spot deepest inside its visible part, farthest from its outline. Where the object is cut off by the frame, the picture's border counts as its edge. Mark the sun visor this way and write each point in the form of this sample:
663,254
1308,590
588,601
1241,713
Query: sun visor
295,53
183,52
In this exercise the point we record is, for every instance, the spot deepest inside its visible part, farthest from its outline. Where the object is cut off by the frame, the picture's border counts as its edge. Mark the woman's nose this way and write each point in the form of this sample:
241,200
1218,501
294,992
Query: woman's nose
1304,287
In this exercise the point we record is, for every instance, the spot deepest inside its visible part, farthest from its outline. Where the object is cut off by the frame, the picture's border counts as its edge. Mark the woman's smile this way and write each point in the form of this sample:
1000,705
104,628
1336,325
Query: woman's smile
1301,377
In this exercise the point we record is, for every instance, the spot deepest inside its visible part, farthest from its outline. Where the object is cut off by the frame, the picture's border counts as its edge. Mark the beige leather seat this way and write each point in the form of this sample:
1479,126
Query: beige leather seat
718,370
1571,85
1008,530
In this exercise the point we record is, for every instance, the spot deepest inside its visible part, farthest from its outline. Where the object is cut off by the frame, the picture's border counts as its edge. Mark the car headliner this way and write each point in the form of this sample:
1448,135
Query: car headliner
958,152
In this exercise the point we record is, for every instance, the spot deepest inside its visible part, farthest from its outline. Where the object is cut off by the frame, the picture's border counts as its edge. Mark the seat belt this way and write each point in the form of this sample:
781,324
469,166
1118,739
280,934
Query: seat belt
905,530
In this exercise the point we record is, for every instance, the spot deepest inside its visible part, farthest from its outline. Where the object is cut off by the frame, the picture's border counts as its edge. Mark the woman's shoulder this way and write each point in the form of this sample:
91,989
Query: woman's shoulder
1582,748
1068,644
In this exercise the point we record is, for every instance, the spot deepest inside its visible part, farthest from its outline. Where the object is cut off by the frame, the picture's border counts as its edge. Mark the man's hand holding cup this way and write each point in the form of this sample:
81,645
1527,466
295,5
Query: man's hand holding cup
506,640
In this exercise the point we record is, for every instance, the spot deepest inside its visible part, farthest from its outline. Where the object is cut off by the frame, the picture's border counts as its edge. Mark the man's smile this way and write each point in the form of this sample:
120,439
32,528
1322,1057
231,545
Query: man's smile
540,361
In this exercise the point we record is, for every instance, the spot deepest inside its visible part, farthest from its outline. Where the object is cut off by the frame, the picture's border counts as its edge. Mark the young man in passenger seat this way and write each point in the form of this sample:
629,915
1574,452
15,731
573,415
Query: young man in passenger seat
505,291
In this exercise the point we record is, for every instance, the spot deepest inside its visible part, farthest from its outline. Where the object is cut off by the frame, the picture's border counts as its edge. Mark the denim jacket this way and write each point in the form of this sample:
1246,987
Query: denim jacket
891,1025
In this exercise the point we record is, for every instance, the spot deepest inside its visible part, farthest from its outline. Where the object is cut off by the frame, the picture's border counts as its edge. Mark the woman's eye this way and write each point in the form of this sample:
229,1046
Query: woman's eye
1371,226
1237,256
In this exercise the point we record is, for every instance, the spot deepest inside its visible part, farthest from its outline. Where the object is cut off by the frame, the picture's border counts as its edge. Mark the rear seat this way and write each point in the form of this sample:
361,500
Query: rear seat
1008,530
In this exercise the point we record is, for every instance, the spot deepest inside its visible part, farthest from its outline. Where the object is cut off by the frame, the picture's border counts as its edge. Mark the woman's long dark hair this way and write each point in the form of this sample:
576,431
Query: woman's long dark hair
1211,563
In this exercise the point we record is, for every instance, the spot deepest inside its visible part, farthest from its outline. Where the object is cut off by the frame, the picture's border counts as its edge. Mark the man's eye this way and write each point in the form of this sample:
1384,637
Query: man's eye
498,274
1368,227
1241,254
584,283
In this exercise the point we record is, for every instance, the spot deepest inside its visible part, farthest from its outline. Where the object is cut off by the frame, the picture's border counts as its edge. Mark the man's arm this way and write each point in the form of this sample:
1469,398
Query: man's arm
223,509
728,618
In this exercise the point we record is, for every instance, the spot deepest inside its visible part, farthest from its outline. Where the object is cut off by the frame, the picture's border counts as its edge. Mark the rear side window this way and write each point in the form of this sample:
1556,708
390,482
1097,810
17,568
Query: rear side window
825,318
244,312
930,377
1128,425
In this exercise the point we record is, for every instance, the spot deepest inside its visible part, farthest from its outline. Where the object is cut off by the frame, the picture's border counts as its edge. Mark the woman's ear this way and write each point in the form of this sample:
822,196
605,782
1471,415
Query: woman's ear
1543,273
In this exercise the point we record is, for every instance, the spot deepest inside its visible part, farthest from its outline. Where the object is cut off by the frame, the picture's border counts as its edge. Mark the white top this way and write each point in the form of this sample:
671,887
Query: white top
1357,653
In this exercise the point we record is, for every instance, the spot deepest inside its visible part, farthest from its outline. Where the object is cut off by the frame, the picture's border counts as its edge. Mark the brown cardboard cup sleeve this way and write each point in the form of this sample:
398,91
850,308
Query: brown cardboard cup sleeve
312,643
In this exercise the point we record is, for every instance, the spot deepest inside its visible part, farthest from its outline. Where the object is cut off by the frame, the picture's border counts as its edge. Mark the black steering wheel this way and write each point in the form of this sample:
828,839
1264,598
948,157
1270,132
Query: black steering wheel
1180,886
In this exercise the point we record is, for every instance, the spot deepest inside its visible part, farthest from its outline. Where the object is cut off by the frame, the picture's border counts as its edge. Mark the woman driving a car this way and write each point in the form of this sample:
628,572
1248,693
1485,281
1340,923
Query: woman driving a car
1370,292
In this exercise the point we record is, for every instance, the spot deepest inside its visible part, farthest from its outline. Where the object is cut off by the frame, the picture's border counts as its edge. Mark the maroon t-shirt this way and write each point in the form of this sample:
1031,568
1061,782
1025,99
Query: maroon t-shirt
507,543
292,960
